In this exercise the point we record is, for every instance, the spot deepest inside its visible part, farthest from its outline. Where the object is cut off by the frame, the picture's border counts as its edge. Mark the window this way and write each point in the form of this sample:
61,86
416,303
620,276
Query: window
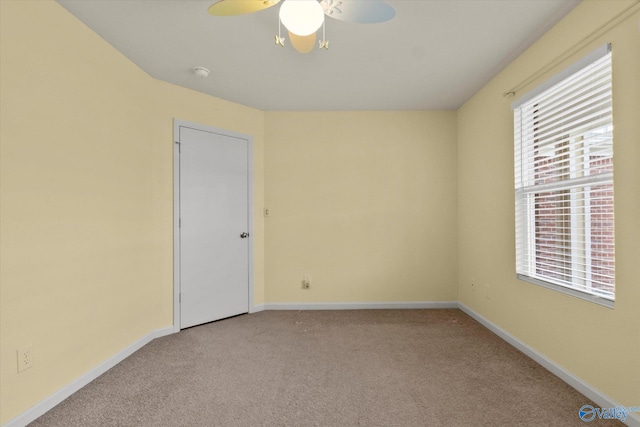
564,182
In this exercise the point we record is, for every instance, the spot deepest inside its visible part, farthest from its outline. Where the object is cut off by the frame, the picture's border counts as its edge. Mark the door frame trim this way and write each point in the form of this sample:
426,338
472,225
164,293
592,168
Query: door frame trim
177,124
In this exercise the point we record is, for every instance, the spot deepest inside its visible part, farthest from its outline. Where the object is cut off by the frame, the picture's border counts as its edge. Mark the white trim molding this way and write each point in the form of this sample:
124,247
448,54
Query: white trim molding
633,420
582,386
50,402
360,305
256,308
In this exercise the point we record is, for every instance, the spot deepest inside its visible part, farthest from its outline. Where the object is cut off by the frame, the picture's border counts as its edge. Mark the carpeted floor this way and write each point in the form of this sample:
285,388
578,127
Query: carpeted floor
326,368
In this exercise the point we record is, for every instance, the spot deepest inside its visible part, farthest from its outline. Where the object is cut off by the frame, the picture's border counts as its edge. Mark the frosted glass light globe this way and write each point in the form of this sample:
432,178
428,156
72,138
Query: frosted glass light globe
301,17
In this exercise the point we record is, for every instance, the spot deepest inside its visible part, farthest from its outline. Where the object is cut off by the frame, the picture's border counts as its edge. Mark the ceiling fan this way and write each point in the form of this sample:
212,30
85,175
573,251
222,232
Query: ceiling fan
303,18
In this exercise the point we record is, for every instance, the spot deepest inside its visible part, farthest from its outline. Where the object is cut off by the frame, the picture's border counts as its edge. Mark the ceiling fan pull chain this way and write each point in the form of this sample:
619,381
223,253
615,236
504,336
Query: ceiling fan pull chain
278,38
324,43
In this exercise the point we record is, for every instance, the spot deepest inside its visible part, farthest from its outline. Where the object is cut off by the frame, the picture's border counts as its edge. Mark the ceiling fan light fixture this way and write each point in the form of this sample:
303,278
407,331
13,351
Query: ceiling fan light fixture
301,17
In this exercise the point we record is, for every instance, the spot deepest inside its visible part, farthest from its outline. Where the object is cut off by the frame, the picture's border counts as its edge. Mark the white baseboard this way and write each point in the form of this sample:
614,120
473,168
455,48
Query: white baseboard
360,305
48,403
590,392
256,308
595,395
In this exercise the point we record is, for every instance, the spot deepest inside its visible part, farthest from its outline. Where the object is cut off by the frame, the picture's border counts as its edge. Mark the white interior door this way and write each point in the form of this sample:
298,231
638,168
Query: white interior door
214,225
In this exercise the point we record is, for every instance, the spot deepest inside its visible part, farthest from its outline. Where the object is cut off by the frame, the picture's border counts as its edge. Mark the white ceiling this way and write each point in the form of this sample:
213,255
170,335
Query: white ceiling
434,55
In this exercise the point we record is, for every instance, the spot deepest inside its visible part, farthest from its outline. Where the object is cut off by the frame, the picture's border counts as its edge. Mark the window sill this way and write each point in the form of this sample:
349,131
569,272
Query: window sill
568,291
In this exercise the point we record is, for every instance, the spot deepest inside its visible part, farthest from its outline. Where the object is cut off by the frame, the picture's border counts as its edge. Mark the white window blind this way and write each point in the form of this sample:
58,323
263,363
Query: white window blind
564,184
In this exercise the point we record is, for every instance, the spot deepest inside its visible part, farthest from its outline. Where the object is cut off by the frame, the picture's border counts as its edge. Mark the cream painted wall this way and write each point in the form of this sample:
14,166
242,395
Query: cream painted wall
364,203
597,344
86,198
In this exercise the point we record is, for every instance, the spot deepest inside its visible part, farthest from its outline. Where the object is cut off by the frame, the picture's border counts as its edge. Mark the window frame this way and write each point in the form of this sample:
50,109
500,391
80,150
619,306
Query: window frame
526,233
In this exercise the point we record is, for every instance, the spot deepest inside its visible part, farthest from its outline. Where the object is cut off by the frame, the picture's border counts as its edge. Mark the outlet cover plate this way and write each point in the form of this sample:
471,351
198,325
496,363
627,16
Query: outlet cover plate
25,358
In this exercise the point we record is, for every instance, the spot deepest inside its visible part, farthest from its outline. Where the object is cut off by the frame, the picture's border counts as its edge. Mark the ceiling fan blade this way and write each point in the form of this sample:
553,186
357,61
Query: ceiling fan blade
360,11
239,7
303,44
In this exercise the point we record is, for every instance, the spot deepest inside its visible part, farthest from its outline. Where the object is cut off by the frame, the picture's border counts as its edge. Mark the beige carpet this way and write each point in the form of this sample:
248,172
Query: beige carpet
327,368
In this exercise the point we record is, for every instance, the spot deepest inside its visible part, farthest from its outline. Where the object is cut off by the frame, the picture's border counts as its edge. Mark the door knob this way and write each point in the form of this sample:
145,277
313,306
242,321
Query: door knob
244,235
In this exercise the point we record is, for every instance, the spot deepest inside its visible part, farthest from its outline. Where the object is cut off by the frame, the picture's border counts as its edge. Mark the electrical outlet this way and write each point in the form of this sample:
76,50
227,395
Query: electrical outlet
266,212
25,358
306,282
